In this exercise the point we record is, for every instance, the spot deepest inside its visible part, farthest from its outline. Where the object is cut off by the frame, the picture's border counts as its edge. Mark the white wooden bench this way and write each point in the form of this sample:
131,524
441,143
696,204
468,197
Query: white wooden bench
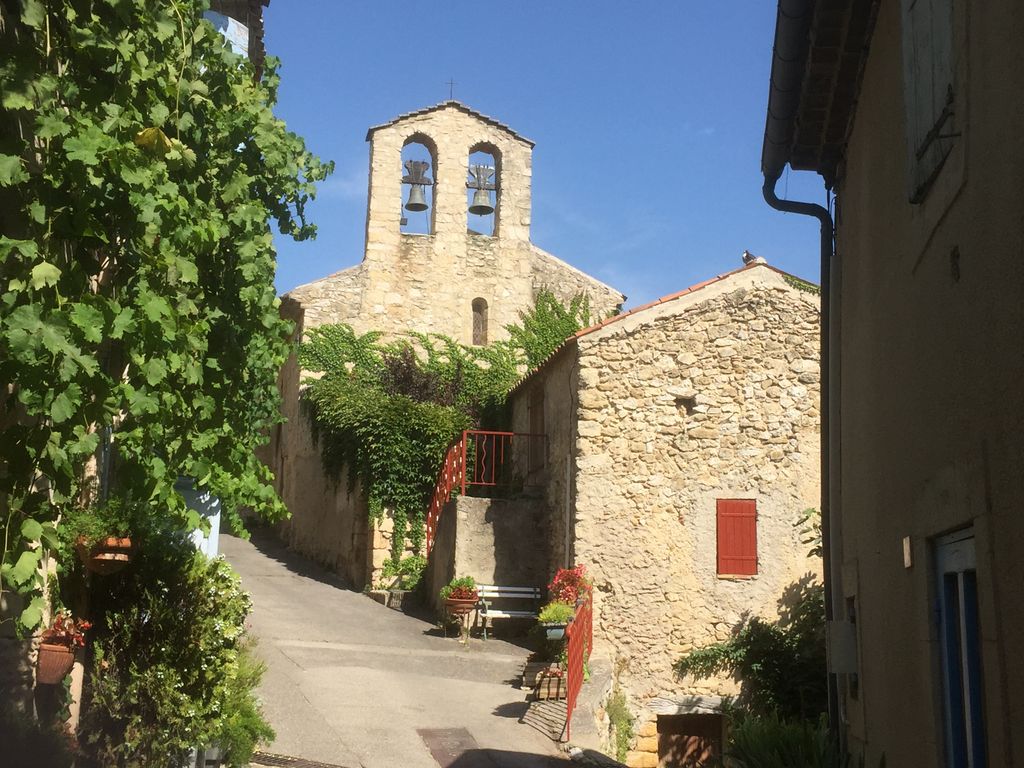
488,593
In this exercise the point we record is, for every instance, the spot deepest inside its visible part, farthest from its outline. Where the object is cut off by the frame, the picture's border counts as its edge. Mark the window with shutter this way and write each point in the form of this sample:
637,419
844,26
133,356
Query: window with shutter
737,537
929,98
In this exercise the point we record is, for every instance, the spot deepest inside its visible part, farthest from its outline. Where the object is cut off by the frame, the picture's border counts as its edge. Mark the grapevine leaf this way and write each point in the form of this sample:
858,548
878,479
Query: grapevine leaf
89,320
62,409
31,529
83,148
124,321
33,13
24,569
32,615
11,170
44,274
155,371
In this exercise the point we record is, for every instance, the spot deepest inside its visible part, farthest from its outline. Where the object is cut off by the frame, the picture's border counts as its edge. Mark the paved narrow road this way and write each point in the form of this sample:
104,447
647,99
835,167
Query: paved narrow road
352,683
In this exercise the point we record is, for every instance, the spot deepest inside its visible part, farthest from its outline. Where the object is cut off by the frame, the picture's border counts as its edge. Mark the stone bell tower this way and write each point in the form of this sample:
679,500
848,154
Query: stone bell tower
461,274
432,263
447,251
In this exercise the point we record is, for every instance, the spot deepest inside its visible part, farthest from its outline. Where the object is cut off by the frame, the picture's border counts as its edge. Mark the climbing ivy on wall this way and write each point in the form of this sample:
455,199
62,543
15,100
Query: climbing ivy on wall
140,162
387,412
549,322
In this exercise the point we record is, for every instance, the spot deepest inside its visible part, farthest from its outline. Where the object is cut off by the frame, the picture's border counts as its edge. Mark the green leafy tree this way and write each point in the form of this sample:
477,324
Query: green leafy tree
140,162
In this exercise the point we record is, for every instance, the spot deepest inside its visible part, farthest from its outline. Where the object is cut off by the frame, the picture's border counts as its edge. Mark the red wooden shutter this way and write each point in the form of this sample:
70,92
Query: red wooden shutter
737,537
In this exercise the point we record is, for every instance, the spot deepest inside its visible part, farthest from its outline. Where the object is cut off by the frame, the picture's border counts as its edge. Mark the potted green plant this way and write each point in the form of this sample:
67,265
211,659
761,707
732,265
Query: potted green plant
460,595
555,617
101,535
57,646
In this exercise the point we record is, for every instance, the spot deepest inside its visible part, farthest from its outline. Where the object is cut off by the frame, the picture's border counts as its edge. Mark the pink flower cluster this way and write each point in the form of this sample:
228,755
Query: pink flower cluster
66,630
570,584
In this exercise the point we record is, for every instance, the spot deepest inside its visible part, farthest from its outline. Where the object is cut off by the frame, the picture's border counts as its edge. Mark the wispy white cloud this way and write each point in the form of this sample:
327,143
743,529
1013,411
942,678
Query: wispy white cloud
698,130
348,184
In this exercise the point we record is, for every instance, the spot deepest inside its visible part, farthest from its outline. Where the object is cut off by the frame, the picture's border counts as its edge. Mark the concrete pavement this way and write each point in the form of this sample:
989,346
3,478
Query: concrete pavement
352,683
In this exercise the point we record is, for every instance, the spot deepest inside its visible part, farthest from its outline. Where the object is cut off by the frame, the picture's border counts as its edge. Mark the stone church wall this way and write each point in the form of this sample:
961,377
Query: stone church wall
426,283
555,393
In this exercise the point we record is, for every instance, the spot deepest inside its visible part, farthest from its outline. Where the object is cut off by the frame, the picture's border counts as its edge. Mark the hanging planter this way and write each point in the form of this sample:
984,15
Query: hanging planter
57,648
106,555
102,534
54,663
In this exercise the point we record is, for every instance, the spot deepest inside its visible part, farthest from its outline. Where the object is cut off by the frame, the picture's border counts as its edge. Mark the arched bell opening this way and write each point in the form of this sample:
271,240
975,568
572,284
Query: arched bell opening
483,189
419,167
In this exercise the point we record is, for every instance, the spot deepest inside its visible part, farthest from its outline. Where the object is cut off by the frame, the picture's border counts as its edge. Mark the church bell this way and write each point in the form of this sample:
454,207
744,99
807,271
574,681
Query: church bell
481,205
417,201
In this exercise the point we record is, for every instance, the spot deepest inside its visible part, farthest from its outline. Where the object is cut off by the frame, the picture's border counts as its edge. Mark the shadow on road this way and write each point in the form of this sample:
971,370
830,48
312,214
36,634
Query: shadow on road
264,540
514,709
498,758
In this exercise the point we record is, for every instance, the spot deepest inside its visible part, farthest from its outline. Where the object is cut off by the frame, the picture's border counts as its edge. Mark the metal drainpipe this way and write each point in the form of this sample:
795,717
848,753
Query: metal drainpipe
829,556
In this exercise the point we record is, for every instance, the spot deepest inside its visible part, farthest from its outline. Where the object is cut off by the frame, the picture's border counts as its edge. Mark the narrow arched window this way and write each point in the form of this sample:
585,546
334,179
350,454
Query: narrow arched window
419,166
483,189
479,322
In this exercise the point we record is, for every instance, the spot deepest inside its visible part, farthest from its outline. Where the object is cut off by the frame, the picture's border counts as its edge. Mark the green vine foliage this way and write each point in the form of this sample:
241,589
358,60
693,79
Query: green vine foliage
140,163
781,665
385,413
542,330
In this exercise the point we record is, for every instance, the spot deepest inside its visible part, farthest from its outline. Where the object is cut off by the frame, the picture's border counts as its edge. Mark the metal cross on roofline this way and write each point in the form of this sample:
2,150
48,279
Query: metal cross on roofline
451,89
482,177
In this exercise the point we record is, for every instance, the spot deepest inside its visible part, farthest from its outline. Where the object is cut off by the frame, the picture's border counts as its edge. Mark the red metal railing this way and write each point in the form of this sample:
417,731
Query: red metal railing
453,473
475,459
484,455
579,640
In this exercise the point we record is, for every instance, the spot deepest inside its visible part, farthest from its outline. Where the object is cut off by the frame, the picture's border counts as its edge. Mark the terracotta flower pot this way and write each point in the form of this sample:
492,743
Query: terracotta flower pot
107,555
54,663
460,606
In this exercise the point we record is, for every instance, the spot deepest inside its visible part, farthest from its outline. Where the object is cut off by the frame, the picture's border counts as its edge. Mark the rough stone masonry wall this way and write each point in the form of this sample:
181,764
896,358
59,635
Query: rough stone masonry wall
406,282
428,282
649,472
556,391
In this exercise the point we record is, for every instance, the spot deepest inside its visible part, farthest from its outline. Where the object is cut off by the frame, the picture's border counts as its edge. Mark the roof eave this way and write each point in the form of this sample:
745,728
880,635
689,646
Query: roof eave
455,104
818,60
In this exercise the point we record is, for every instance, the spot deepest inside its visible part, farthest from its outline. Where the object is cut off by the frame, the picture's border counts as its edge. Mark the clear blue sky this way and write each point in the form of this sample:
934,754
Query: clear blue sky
648,119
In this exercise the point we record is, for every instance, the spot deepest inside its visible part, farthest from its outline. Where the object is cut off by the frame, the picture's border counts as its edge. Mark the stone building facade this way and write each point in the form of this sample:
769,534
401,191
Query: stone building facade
654,417
911,115
451,280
